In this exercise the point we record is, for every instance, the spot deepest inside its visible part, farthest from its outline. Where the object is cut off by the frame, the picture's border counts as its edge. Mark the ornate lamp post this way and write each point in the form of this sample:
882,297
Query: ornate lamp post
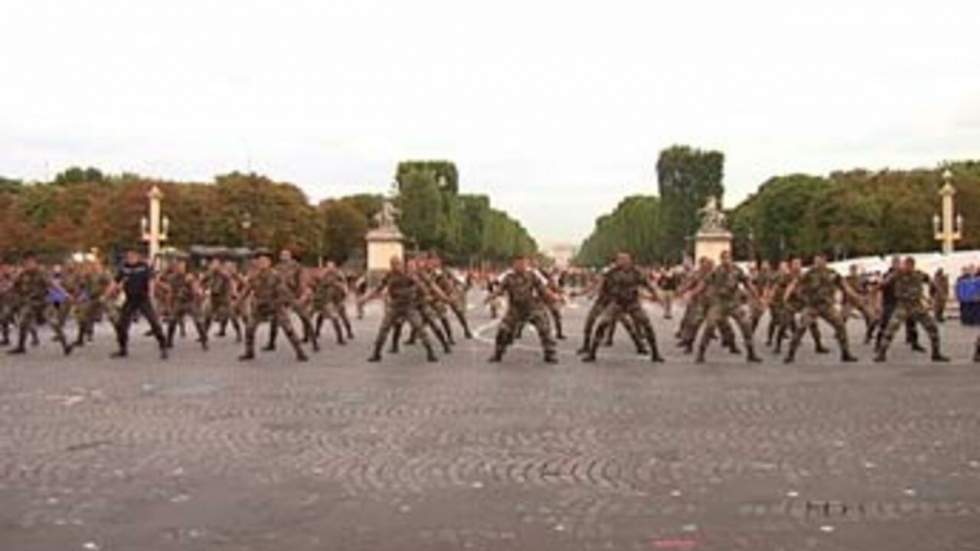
948,229
154,229
246,226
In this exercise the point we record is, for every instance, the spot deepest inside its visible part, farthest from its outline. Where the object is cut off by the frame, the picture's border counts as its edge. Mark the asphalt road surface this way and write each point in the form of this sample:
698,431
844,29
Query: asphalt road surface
203,452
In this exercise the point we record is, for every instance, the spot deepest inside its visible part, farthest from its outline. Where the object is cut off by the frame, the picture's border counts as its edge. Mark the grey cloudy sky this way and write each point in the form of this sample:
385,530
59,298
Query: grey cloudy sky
557,109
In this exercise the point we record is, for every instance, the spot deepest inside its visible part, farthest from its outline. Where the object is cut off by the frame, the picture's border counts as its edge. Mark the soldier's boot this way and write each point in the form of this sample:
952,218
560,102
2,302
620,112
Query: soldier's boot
654,351
273,335
396,339
467,334
238,330
976,352
586,345
223,328
770,334
447,330
376,355
446,347
202,336
819,348
597,340
937,355
791,353
916,347
880,354
550,356
4,335
34,340
499,346
249,352
338,331
750,355
846,356
608,341
559,334
733,348
171,329
80,339
317,327
20,348
121,353
430,354
780,337
869,334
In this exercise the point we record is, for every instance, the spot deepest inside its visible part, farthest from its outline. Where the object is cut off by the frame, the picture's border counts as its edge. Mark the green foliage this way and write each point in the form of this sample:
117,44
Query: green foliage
79,175
686,178
633,227
855,213
344,227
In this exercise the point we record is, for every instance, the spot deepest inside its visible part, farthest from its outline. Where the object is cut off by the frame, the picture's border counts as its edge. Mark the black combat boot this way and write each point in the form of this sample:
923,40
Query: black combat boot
937,356
430,355
376,356
500,345
847,357
976,353
916,347
880,355
791,355
751,356
550,357
273,334
821,349
121,353
20,348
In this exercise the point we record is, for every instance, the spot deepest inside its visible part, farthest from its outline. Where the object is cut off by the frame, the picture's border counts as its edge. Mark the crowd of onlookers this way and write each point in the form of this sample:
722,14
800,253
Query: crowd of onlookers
968,295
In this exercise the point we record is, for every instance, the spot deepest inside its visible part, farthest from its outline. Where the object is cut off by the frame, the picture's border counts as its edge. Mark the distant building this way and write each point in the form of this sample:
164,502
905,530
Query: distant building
562,254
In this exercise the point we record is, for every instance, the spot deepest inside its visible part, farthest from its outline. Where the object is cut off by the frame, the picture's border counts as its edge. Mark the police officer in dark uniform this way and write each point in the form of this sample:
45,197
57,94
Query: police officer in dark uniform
135,278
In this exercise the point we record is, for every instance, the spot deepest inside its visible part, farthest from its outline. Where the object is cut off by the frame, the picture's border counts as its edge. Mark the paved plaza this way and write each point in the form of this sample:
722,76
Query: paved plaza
202,452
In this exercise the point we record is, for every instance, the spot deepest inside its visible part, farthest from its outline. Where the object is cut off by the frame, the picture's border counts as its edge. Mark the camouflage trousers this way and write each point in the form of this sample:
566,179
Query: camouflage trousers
783,324
616,311
328,310
88,313
31,314
223,312
394,316
592,317
808,318
277,317
695,315
849,307
917,314
302,311
717,314
177,313
517,316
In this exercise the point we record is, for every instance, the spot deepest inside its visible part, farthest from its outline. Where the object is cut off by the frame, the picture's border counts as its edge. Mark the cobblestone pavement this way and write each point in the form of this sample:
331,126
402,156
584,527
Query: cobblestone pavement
202,452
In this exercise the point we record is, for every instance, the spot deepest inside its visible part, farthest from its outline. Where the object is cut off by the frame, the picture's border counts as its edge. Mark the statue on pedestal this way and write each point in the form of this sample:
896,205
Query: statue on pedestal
385,218
712,217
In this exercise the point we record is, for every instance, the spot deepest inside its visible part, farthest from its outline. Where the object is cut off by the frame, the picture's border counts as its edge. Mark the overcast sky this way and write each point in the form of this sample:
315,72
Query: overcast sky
556,109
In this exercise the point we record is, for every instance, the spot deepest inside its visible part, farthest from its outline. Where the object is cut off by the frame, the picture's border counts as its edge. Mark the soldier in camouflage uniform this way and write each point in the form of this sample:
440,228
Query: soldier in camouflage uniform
269,300
849,304
293,275
92,304
790,305
6,303
818,287
455,290
329,289
723,285
623,284
599,304
30,296
404,300
526,294
184,296
221,289
908,283
554,303
696,312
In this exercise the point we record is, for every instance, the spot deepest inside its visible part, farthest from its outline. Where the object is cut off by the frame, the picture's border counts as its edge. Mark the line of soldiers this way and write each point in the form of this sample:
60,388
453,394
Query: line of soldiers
31,295
428,297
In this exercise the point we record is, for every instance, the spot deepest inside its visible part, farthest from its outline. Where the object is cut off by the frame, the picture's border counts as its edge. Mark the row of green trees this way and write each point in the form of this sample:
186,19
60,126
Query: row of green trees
845,214
657,229
81,209
854,213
